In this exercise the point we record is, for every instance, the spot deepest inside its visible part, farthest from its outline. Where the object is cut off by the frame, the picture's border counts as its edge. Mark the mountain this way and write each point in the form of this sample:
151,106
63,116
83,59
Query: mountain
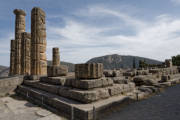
4,71
116,61
69,65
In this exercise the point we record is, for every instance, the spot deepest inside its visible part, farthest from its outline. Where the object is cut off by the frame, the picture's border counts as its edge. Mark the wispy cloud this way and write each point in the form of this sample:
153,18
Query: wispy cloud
80,41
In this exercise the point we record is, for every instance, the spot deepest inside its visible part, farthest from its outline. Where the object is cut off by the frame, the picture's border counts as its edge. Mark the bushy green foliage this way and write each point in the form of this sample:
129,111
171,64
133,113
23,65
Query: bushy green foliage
176,60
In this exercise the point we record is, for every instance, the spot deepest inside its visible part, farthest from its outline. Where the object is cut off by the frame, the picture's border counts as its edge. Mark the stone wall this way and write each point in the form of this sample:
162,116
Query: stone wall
9,84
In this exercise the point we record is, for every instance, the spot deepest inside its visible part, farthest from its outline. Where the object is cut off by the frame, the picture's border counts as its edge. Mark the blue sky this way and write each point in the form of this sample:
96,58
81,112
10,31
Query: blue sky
83,29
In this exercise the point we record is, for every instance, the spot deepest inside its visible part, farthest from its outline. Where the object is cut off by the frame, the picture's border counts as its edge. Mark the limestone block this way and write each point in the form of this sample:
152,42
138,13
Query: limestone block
26,52
56,81
89,71
56,57
154,71
145,80
19,28
165,78
12,58
55,71
115,89
38,42
84,96
108,73
95,83
121,80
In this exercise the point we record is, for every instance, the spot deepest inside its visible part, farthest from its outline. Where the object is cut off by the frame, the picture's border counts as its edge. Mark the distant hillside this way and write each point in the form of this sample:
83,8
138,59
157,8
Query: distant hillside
120,61
70,65
4,71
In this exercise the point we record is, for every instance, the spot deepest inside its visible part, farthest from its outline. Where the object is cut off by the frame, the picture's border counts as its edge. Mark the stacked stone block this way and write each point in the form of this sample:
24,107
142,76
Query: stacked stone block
19,28
38,42
26,54
56,69
89,71
12,58
168,63
56,57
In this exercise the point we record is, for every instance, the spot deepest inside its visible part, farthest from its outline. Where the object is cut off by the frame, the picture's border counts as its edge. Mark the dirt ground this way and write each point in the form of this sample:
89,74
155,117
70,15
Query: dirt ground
15,108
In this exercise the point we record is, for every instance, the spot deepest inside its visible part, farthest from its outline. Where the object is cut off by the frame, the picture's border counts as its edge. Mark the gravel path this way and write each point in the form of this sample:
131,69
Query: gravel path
165,106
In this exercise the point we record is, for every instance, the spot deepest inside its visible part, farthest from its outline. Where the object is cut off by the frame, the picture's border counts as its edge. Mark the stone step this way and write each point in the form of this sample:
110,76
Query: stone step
84,96
65,106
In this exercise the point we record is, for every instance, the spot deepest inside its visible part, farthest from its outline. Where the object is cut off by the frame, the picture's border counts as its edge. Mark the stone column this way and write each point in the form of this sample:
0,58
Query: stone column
56,57
12,58
26,53
19,28
38,42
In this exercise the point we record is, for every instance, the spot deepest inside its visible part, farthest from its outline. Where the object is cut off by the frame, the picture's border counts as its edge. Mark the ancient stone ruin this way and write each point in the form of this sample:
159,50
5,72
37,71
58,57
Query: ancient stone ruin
19,29
87,92
12,57
26,54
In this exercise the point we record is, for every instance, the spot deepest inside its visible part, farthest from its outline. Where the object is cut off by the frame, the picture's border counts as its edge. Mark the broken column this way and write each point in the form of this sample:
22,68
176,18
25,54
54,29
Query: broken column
38,42
56,57
19,28
56,69
89,71
168,63
26,53
12,58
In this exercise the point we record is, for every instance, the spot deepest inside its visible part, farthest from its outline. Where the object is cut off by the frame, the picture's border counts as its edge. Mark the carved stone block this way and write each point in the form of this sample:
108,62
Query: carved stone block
89,71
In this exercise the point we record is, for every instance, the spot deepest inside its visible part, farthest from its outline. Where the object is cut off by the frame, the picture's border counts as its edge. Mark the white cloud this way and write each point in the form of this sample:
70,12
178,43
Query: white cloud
176,1
79,41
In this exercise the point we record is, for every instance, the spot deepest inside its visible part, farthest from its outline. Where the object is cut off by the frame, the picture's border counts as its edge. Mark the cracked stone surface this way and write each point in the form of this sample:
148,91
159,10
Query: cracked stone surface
16,108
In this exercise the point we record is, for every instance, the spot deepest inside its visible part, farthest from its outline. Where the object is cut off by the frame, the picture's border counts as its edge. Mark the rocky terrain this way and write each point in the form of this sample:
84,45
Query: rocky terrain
116,61
4,71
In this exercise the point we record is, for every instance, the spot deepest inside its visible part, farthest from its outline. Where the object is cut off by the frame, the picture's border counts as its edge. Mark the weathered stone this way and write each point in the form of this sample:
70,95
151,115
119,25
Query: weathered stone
95,83
12,58
19,28
121,80
142,72
56,57
55,71
26,54
168,63
129,73
89,71
38,42
56,81
83,95
121,88
8,85
154,71
165,78
108,73
144,80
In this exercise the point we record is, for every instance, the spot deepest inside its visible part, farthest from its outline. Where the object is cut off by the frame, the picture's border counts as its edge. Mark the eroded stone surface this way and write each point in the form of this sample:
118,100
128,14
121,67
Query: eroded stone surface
89,71
15,108
19,29
26,54
38,42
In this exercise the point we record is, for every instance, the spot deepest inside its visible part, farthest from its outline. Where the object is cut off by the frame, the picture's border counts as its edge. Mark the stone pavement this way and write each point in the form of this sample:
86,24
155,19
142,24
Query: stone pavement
15,108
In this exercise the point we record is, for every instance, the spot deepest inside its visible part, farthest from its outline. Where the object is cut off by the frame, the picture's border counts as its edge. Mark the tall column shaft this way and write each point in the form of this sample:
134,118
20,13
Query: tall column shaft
56,57
12,58
38,42
19,28
26,54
